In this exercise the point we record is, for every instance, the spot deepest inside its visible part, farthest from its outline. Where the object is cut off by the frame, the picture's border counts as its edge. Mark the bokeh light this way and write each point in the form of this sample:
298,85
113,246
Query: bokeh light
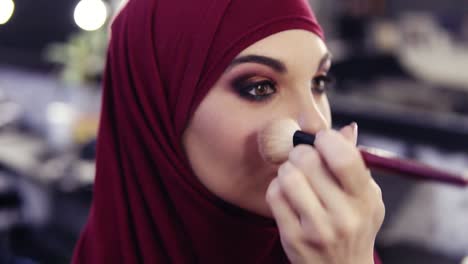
7,7
90,14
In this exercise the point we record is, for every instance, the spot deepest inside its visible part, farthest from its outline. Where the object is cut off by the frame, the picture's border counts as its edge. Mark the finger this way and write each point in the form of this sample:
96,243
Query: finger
300,196
286,219
343,160
321,181
379,209
350,132
297,191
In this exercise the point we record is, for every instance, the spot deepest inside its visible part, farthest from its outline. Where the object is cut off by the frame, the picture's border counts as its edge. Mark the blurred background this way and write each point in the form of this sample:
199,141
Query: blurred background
400,69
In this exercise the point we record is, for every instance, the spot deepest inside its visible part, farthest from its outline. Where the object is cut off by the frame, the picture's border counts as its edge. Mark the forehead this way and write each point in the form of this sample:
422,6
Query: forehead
291,47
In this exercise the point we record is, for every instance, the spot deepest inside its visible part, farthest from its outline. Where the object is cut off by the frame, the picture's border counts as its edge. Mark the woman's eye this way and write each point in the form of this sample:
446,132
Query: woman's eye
258,91
262,89
321,83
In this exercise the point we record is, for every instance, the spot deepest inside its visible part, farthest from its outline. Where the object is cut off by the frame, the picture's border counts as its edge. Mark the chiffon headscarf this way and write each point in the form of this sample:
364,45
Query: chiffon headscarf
148,206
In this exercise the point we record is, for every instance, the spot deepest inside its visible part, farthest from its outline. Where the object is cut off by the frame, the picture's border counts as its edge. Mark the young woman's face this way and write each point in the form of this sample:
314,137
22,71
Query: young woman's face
281,76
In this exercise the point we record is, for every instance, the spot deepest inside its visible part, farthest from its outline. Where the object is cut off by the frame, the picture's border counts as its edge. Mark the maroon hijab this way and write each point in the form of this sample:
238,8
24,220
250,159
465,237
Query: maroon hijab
148,206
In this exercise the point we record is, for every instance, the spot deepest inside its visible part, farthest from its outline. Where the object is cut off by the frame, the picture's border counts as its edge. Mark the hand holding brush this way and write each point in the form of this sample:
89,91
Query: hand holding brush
281,136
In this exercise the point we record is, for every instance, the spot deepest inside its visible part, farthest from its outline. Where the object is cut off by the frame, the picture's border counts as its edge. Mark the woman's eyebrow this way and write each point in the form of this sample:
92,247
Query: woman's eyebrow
275,64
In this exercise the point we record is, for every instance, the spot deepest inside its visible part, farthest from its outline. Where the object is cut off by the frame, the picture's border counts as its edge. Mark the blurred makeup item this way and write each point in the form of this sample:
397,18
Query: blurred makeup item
281,136
465,260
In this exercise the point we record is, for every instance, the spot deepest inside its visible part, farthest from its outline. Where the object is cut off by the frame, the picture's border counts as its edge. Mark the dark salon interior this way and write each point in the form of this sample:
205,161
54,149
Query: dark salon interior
399,70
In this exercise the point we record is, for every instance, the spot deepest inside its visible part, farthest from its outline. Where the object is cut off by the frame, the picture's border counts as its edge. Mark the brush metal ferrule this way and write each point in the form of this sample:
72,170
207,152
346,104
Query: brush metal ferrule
300,137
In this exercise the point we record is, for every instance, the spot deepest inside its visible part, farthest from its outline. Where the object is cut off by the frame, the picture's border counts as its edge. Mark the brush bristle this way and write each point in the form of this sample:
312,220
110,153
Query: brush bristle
276,140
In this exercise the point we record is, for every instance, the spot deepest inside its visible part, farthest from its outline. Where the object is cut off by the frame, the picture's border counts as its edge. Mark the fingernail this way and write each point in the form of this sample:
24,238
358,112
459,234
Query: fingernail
354,125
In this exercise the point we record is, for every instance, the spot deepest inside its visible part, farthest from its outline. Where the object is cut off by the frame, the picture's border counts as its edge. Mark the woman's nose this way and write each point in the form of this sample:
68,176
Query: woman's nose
311,118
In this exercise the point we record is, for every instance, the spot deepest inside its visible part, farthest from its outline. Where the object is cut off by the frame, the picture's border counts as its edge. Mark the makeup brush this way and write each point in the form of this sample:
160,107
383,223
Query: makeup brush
281,136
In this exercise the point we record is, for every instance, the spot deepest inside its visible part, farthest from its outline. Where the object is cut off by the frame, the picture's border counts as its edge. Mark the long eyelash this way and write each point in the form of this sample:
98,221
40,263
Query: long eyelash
251,86
243,86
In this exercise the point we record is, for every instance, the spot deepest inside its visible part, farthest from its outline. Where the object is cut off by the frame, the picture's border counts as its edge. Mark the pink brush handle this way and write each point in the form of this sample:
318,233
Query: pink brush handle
411,169
399,166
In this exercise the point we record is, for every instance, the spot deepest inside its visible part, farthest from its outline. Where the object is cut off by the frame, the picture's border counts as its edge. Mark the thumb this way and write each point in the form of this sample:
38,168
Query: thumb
350,132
